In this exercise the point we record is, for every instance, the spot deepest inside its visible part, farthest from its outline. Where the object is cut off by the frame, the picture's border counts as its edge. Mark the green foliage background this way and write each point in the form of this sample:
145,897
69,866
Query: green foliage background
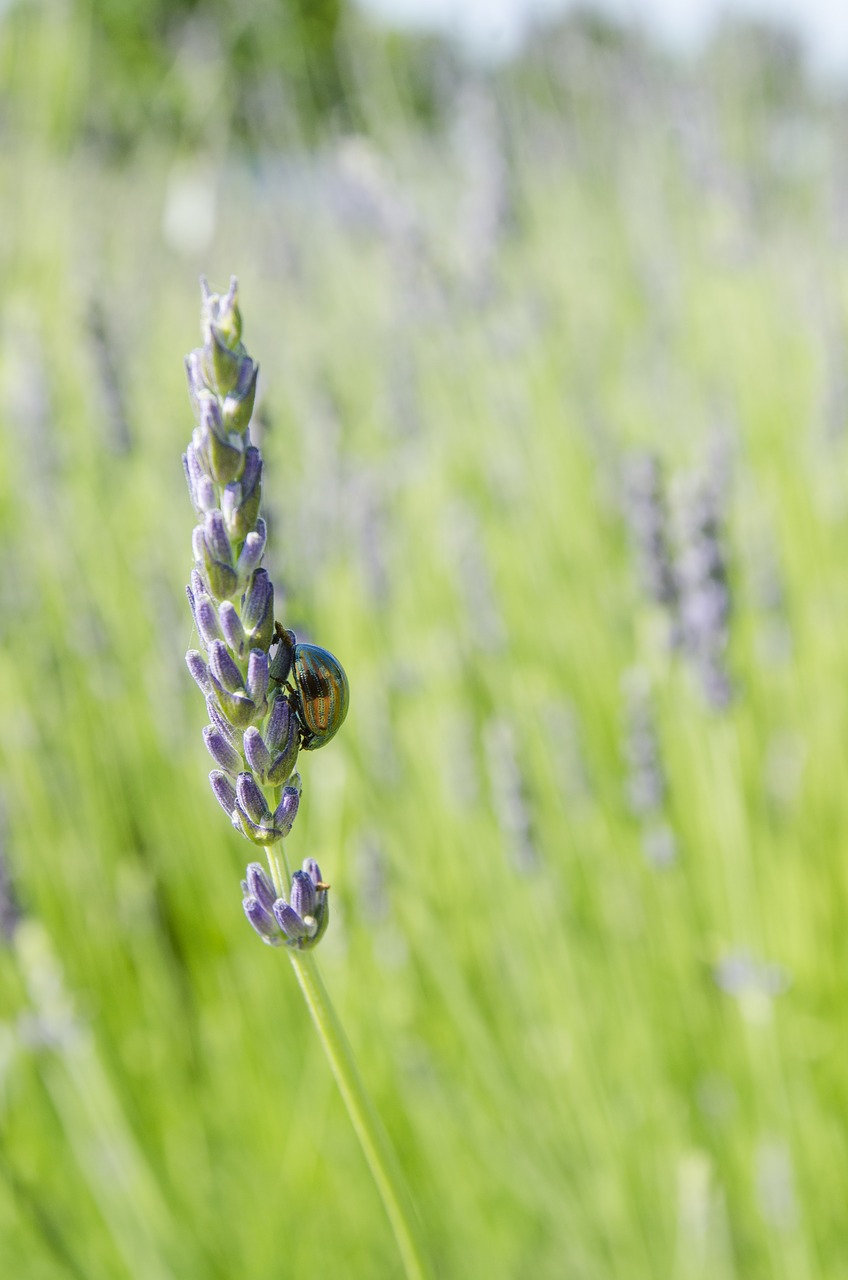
466,328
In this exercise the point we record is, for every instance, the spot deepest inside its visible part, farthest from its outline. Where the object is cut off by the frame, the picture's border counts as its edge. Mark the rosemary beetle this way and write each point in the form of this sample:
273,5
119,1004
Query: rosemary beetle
321,696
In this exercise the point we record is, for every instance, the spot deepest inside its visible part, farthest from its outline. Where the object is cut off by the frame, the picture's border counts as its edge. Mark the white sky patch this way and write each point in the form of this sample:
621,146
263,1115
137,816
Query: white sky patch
494,29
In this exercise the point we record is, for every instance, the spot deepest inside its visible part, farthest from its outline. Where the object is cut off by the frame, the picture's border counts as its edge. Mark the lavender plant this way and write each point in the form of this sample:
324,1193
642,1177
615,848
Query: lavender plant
258,721
255,731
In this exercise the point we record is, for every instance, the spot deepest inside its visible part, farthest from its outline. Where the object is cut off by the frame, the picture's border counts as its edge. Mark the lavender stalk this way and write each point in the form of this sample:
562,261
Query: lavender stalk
268,699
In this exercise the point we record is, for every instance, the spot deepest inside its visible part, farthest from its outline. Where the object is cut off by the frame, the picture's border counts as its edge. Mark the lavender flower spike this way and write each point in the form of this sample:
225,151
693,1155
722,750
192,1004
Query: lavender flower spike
254,732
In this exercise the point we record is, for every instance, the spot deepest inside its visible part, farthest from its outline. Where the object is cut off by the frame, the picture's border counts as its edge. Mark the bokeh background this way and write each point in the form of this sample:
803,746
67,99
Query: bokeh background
554,410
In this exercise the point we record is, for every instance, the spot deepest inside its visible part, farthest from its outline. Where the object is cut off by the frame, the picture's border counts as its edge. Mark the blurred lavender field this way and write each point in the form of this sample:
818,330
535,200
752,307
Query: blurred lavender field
553,411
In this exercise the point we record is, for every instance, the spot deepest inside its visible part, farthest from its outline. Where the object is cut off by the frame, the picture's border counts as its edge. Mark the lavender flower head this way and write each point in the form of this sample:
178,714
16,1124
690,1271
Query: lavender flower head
254,733
298,923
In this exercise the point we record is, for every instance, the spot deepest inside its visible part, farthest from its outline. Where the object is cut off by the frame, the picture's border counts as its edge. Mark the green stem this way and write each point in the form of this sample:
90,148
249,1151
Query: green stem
372,1137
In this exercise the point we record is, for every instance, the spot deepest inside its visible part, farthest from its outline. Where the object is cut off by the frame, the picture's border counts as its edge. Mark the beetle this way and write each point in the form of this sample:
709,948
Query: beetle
321,693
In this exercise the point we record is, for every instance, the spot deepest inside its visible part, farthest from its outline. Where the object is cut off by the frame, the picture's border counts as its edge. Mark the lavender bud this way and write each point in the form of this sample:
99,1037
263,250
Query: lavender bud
302,894
263,921
238,405
197,388
232,628
216,538
281,723
312,869
225,792
257,675
225,315
194,473
206,495
286,811
206,617
289,921
285,759
221,751
256,752
252,475
252,551
258,611
241,502
250,797
198,669
230,499
258,884
198,543
223,668
211,422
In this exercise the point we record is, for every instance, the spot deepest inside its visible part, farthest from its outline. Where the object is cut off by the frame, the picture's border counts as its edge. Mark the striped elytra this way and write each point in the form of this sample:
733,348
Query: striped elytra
323,694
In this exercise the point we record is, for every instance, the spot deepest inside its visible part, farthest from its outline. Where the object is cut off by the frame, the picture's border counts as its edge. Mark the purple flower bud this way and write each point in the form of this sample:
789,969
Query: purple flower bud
197,387
252,551
284,761
263,921
312,869
286,811
211,423
250,797
257,675
289,921
221,751
240,502
216,538
232,628
258,611
206,617
251,480
206,496
258,884
252,474
198,544
302,894
225,792
194,473
238,405
256,753
198,586
223,667
198,668
279,727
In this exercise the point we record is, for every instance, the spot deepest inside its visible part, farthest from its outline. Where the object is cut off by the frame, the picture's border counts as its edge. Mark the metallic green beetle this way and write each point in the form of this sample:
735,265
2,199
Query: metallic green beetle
321,693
